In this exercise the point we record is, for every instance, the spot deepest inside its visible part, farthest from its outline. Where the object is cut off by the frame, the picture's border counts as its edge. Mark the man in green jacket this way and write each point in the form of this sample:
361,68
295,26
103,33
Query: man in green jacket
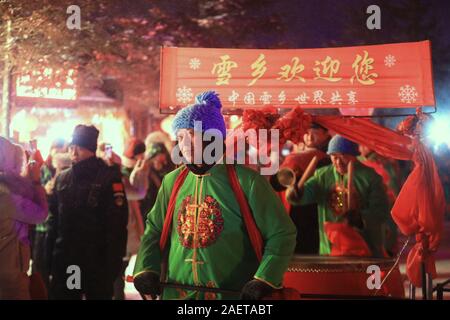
209,242
328,188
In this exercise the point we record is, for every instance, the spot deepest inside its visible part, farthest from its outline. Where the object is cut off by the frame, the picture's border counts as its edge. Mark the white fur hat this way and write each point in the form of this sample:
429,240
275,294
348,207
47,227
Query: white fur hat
61,161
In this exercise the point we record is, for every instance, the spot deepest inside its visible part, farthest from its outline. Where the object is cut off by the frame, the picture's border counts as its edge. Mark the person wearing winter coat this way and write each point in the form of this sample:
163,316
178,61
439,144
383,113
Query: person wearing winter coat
22,203
87,226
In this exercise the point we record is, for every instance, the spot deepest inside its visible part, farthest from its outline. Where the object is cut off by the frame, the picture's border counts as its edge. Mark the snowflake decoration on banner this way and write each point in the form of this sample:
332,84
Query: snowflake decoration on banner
408,94
184,95
389,61
194,63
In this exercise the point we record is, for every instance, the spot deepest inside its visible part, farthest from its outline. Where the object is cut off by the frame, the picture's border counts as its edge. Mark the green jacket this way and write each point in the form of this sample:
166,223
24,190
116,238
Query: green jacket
212,247
370,197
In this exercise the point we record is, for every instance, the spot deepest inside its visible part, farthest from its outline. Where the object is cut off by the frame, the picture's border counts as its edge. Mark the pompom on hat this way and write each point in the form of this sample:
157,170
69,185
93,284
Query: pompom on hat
207,109
339,144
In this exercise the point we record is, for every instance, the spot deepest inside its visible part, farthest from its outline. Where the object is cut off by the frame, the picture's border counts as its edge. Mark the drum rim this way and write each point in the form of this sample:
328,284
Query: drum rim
327,264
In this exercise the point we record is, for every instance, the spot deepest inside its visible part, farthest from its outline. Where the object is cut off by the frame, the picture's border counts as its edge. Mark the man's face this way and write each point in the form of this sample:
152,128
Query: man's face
78,153
187,144
315,137
340,162
55,151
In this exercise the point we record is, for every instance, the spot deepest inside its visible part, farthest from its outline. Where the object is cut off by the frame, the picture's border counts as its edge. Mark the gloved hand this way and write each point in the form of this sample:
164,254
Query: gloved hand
354,219
256,290
294,195
148,283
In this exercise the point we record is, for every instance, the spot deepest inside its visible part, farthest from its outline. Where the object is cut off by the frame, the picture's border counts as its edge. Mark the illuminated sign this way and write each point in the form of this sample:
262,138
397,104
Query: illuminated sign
40,84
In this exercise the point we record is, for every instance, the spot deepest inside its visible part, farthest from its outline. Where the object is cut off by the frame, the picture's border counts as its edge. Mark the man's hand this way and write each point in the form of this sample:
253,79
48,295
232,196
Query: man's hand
256,290
148,283
294,195
33,169
49,186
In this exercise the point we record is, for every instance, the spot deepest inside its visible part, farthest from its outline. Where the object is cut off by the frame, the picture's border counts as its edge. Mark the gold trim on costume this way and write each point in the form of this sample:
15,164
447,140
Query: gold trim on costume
268,283
145,271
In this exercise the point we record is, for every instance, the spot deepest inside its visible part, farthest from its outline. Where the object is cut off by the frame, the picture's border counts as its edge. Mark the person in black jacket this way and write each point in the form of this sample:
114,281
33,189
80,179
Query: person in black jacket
87,233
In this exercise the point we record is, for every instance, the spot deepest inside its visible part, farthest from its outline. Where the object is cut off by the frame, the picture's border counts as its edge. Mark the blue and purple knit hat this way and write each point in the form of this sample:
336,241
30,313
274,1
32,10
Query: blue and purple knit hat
339,144
206,109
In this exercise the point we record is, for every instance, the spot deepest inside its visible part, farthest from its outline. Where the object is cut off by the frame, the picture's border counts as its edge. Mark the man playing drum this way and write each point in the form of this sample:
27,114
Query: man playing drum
352,203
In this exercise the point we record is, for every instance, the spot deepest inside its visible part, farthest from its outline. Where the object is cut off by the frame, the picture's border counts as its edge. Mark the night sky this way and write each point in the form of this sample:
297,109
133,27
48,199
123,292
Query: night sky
314,24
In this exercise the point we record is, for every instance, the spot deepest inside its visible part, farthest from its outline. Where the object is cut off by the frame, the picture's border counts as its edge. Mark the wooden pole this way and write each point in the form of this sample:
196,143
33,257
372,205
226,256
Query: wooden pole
349,185
308,172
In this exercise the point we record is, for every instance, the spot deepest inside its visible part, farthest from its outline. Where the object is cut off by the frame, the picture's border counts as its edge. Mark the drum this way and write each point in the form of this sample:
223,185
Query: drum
325,277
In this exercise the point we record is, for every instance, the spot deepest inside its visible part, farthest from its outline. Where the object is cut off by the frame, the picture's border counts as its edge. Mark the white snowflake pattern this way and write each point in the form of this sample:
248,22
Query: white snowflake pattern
408,94
184,95
389,61
194,63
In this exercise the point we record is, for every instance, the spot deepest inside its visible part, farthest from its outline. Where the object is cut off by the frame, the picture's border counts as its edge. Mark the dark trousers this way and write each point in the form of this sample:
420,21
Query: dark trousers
119,283
90,290
306,220
95,284
39,256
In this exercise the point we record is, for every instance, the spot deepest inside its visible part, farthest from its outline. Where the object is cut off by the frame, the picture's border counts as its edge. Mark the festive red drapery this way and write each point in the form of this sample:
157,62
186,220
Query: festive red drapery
420,206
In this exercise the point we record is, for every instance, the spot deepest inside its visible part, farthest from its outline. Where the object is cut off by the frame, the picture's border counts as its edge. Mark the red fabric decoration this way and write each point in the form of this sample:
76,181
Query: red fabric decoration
346,241
419,209
252,229
420,205
380,169
298,162
171,208
418,253
286,204
259,119
382,140
284,294
293,125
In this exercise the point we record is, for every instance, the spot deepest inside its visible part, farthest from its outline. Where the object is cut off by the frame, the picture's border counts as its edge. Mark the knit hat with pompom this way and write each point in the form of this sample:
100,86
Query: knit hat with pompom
207,109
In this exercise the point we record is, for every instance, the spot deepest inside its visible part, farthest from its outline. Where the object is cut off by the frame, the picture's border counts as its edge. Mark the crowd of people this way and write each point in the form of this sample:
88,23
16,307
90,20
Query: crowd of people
80,207
222,228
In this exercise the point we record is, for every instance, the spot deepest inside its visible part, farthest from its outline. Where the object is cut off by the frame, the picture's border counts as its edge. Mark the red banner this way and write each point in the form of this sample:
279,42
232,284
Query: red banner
377,76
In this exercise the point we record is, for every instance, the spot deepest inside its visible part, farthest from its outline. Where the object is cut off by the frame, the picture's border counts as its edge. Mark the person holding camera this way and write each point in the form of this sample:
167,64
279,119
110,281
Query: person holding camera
23,203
